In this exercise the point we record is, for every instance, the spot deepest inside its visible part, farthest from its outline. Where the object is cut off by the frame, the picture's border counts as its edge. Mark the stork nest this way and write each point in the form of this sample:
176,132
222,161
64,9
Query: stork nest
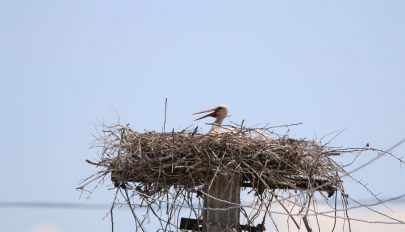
176,168
154,162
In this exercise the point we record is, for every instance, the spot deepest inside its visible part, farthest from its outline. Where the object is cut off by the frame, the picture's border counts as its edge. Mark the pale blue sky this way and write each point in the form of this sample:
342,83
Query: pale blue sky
68,65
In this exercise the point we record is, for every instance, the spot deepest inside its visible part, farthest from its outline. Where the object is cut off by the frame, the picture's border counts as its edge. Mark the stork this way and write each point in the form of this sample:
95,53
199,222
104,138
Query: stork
220,112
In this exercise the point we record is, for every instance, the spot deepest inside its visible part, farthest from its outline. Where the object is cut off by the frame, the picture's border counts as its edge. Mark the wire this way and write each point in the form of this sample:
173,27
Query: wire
69,205
53,205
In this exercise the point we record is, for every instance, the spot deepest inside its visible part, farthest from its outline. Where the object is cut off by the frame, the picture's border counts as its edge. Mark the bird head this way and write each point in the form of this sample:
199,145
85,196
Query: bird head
219,112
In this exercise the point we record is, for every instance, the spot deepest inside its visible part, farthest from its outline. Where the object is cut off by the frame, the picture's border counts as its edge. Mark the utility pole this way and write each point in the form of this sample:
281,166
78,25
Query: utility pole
219,215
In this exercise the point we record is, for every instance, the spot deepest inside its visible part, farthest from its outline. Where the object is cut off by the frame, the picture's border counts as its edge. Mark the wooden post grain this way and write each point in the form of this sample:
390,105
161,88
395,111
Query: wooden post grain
227,188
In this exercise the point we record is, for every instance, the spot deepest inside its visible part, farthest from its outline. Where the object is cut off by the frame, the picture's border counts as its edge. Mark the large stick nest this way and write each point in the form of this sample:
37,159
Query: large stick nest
154,162
176,168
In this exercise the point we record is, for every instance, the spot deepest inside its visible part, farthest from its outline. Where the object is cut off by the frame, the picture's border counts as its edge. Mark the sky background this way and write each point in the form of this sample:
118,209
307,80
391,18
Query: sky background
68,66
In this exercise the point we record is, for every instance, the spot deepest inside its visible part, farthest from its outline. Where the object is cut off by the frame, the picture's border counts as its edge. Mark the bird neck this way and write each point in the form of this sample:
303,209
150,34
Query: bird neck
216,126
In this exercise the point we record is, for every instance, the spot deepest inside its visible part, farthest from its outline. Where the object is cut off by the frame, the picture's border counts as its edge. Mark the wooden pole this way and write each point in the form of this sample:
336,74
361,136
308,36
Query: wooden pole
227,188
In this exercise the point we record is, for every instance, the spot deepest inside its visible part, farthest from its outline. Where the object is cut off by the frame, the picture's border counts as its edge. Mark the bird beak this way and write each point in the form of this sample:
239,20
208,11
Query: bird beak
212,114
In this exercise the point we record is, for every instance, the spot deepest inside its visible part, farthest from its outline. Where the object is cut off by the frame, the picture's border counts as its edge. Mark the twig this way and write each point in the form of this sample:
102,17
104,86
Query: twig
164,122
